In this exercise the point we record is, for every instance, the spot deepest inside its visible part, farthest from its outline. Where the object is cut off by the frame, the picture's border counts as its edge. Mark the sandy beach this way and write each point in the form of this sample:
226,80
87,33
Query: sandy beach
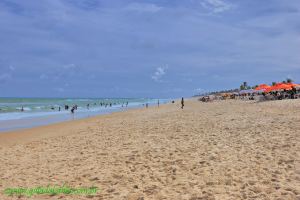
224,150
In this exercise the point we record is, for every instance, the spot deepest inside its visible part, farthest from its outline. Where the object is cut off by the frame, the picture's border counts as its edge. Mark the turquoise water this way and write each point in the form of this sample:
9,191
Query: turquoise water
31,105
42,111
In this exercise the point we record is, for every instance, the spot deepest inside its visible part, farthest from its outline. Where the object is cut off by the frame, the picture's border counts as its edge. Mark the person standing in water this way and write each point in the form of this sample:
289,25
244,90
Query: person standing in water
182,103
158,103
72,110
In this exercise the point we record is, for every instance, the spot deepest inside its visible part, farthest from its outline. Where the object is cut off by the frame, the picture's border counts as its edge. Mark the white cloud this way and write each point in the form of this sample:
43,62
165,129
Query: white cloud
61,73
59,89
43,76
7,73
11,68
69,66
216,76
176,90
216,6
159,73
5,77
143,7
199,91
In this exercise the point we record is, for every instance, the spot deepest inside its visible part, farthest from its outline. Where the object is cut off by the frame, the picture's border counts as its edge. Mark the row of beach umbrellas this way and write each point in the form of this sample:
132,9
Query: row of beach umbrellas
267,88
276,87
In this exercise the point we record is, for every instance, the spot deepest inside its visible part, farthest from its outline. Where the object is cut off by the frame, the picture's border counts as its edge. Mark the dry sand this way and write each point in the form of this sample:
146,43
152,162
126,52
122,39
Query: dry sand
221,150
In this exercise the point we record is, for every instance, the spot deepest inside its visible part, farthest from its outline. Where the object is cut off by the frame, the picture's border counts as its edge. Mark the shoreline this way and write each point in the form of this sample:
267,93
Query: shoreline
43,119
29,134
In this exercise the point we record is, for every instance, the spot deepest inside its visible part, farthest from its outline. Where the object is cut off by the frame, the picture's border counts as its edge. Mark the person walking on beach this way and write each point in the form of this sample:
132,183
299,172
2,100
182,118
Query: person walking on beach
158,103
182,103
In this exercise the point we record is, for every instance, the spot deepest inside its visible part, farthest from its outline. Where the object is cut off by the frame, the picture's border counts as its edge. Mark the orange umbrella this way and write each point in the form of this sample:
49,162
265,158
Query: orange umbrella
262,87
279,86
293,84
285,87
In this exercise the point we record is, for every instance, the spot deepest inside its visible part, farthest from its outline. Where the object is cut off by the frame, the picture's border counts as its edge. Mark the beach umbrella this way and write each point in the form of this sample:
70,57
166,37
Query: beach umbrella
278,87
284,86
262,87
293,84
297,86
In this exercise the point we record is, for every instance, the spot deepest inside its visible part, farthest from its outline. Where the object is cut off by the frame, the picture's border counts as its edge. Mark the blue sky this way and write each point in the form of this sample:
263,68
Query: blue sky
150,48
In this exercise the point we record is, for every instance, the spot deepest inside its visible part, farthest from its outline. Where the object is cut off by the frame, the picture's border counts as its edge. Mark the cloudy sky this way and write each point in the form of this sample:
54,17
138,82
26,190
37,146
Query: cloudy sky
145,48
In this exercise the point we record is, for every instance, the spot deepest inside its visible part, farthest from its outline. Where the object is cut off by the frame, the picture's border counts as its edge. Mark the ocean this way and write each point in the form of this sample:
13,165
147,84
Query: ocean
19,113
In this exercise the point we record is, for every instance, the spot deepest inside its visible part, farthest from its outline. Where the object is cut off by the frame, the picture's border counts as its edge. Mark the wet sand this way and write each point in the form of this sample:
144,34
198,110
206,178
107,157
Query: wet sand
221,150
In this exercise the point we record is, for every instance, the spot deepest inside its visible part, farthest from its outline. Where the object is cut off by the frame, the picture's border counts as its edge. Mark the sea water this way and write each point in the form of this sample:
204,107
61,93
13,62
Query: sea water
42,111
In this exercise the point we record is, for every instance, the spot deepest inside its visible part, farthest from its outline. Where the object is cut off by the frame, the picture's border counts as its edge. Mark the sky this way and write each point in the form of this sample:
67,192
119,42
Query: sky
145,48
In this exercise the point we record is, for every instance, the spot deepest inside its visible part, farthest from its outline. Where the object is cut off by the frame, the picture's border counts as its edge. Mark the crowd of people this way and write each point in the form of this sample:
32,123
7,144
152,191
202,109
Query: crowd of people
74,107
102,104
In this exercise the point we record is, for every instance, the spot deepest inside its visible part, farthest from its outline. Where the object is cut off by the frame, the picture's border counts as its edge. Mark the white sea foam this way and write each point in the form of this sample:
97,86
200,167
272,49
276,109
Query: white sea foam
38,111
